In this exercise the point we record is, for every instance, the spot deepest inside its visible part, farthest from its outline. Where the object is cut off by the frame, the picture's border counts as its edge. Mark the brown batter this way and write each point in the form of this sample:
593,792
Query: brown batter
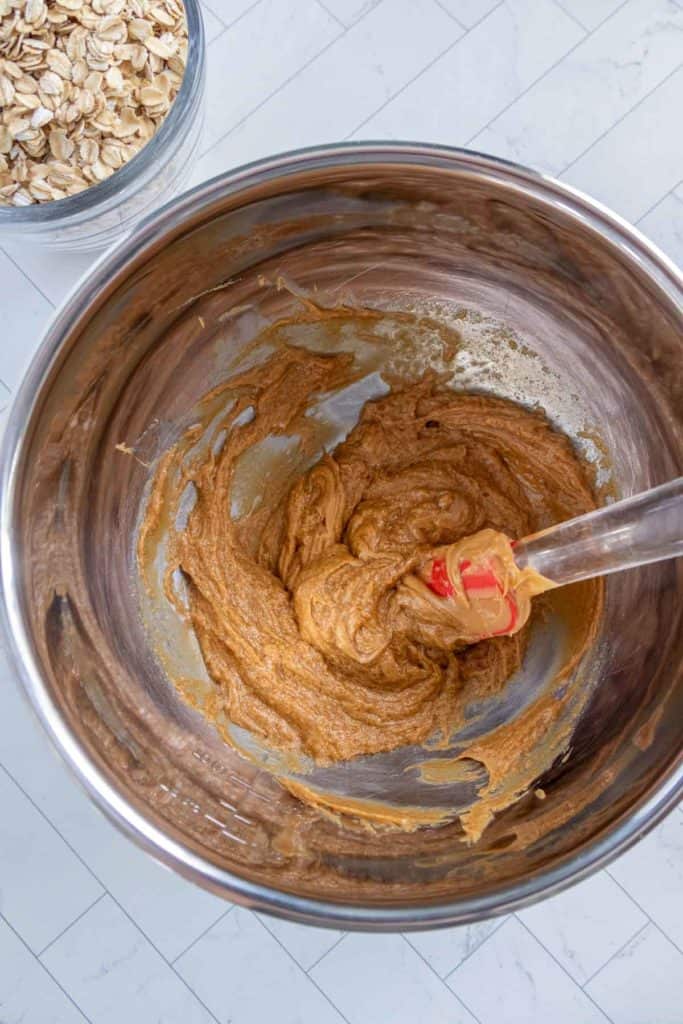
314,617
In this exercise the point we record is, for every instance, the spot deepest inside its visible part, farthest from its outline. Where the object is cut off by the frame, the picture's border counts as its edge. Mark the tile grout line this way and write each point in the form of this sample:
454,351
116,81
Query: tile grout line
422,71
210,8
616,953
563,969
332,15
165,959
405,86
436,974
671,192
471,953
547,71
52,825
618,121
229,24
245,12
477,23
225,28
202,934
322,957
25,275
305,973
295,74
71,924
450,14
47,970
105,888
649,916
577,21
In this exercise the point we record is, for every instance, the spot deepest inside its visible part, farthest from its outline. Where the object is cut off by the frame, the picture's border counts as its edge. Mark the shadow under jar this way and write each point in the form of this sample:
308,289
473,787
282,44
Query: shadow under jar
385,226
102,213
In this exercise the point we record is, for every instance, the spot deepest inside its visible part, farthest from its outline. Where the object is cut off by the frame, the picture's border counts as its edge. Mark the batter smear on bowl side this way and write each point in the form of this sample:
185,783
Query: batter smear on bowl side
321,617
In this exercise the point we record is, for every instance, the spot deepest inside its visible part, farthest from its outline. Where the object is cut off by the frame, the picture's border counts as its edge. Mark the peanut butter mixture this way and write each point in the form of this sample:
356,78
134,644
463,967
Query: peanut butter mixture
321,618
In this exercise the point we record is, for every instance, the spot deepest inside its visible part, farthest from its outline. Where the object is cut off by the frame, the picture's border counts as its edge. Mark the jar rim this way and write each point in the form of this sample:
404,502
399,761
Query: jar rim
97,197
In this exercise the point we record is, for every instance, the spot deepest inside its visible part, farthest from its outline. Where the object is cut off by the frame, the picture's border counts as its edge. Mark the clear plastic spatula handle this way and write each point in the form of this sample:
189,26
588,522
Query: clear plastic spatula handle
636,531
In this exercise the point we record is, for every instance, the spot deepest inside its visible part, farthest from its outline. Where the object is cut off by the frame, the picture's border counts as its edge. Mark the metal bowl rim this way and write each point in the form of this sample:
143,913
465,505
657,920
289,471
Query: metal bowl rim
163,224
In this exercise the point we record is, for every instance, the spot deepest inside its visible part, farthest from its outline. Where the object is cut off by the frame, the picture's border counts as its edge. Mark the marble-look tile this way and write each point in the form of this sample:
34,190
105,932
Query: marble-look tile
171,911
54,276
469,12
664,225
444,949
390,982
590,13
113,974
305,943
228,11
22,321
285,36
584,926
245,977
652,872
386,49
25,750
643,983
511,979
639,159
213,26
43,885
349,11
596,84
28,995
462,91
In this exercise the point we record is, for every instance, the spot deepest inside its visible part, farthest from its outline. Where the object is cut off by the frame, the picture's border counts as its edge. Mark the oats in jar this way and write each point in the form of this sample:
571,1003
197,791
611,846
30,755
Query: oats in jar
84,85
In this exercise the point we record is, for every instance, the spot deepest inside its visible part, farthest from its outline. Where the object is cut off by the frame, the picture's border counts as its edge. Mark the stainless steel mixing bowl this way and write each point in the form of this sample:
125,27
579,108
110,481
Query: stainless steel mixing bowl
126,360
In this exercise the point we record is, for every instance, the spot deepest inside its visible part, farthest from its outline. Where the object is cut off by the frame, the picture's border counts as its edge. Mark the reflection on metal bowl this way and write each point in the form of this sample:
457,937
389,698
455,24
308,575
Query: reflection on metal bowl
589,318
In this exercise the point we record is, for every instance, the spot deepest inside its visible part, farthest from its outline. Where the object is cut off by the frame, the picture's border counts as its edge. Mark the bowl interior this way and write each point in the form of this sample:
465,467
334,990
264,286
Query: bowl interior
553,306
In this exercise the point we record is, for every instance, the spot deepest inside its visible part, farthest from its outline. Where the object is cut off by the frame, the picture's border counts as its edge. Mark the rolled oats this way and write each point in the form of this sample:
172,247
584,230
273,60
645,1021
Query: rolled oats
84,85
50,83
41,116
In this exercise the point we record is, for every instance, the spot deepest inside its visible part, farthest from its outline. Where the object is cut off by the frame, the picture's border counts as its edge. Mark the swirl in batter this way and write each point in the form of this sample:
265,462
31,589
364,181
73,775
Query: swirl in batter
313,616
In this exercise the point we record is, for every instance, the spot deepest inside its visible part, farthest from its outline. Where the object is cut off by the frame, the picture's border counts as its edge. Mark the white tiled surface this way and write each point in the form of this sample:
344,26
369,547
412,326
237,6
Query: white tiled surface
512,977
445,950
380,977
43,884
584,927
631,995
113,973
306,945
90,929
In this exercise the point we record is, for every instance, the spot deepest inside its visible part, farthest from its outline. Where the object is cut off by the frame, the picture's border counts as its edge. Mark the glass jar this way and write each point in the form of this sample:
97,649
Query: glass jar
94,218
